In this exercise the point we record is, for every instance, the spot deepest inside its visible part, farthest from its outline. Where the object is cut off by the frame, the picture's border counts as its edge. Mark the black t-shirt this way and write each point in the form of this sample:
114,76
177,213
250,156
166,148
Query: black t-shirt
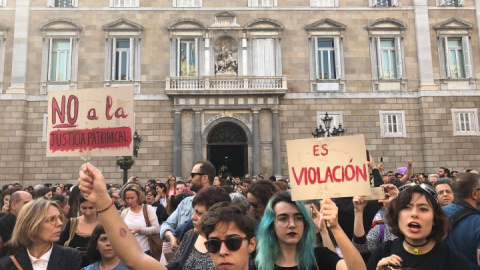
439,258
326,260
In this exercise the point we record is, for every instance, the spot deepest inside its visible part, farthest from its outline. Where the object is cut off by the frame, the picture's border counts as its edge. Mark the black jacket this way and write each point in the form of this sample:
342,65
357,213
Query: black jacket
62,258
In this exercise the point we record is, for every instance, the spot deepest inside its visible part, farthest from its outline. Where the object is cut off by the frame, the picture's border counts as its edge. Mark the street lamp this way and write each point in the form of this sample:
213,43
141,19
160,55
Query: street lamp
325,132
125,163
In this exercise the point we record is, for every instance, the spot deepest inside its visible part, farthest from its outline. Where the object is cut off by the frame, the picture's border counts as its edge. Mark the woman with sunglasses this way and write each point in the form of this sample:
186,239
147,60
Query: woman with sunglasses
229,227
417,219
38,227
92,183
171,183
286,237
191,252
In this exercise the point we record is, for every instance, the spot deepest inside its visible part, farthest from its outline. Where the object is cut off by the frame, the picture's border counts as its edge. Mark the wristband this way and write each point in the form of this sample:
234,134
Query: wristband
103,210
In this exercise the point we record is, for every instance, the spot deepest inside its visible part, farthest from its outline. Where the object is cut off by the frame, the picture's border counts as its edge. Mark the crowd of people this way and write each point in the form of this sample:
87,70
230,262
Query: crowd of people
222,221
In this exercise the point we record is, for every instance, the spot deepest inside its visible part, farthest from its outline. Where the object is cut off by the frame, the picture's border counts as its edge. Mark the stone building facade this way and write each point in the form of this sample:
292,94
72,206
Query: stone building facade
231,81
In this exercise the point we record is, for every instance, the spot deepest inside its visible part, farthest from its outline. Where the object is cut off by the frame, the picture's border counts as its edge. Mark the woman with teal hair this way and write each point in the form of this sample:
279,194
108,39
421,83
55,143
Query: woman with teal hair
286,237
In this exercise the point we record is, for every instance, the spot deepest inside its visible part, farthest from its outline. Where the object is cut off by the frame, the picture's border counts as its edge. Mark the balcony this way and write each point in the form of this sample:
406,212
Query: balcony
214,85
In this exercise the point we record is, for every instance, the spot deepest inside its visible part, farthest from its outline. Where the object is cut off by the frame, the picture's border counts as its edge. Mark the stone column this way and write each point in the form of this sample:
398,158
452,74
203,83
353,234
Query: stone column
257,160
197,135
20,47
177,143
277,170
424,49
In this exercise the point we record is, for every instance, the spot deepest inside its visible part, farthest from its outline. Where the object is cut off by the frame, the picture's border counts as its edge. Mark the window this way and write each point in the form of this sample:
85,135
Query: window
455,57
124,58
187,53
122,53
387,54
392,124
187,50
264,57
465,122
337,118
323,3
262,3
263,51
63,3
60,59
3,3
187,3
59,55
327,56
451,3
124,3
383,3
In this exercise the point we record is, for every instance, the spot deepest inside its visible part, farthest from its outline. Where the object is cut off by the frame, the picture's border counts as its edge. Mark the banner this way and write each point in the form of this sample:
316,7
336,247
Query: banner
328,167
90,122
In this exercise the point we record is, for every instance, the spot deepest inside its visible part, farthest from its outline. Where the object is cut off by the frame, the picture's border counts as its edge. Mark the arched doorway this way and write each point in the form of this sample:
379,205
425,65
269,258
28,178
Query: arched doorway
227,148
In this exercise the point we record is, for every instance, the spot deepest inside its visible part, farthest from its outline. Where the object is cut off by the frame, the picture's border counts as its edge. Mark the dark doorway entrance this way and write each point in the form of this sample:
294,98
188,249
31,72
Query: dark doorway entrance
227,149
228,158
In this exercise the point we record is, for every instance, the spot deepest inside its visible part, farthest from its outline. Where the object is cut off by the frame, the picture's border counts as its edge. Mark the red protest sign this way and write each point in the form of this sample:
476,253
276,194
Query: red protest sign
90,122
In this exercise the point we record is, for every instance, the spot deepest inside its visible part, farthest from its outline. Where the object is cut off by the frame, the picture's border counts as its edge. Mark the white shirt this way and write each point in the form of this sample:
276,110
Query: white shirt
42,262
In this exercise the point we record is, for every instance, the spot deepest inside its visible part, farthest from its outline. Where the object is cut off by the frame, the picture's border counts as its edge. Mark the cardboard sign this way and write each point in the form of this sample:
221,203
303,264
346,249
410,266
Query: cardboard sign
90,122
328,167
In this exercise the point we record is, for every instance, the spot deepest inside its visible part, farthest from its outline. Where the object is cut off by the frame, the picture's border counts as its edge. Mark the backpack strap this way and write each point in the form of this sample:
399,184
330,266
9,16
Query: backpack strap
16,262
466,211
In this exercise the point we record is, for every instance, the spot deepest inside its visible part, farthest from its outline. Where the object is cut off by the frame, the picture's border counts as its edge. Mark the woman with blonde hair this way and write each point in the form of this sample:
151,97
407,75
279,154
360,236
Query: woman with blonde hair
38,227
134,215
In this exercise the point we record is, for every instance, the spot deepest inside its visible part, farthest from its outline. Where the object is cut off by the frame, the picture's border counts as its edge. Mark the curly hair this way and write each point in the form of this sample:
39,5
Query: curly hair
440,219
268,250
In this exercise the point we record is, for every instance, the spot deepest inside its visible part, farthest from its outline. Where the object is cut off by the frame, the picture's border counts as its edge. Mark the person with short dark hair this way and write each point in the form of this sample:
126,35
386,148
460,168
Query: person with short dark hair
443,172
417,219
464,236
101,253
197,257
229,229
444,189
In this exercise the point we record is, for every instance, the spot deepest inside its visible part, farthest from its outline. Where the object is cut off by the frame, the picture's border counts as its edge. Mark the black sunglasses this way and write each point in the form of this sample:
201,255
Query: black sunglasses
428,189
233,243
193,174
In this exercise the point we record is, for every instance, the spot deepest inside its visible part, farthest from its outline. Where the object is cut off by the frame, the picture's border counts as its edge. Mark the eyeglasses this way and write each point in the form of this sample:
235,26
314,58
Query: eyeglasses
193,174
284,221
233,243
253,204
428,189
53,219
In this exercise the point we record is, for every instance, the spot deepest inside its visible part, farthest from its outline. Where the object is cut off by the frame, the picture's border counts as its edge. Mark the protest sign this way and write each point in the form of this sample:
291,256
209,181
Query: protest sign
90,122
328,167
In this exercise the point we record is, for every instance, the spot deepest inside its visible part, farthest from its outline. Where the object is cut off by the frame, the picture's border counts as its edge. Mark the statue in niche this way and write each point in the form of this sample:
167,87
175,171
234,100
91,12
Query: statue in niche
225,63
